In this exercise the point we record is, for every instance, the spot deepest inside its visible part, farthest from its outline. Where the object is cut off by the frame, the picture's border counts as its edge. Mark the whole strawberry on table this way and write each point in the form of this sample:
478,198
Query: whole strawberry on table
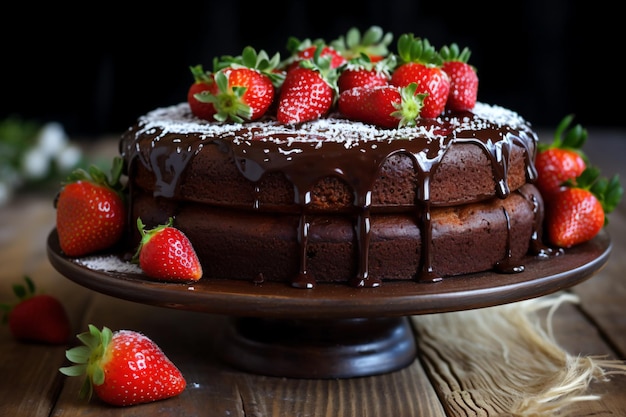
123,368
36,317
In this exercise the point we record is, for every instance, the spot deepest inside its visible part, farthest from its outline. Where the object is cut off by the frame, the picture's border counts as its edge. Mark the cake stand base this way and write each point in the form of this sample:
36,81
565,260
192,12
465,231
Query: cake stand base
319,348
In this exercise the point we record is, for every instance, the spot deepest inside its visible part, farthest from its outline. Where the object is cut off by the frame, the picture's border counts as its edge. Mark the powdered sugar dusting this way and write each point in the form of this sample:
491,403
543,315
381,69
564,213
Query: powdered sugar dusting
109,263
178,120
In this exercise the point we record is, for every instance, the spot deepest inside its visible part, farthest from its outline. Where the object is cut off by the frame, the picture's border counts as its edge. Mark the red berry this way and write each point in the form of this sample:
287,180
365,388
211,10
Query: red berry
577,211
37,317
574,216
91,214
305,95
386,106
421,64
561,160
166,253
203,84
463,78
123,368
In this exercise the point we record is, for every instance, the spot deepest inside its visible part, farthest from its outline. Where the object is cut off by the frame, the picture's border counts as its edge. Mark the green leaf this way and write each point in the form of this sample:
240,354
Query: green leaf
613,194
74,370
78,354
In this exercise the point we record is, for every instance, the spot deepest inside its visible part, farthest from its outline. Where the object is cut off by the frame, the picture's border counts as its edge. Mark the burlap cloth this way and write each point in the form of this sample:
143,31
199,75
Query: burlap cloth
505,360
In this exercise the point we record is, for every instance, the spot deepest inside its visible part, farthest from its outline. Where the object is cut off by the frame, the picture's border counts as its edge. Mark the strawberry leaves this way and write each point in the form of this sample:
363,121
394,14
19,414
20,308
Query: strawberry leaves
373,43
609,192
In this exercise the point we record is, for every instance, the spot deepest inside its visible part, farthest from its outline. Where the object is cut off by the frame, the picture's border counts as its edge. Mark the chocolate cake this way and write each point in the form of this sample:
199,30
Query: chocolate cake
337,200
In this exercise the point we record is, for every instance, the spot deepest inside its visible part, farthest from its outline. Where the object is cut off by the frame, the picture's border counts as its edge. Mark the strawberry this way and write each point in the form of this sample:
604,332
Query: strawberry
244,86
308,92
36,317
305,50
562,159
420,63
577,211
463,78
91,212
373,43
361,72
387,106
243,94
123,368
203,81
165,253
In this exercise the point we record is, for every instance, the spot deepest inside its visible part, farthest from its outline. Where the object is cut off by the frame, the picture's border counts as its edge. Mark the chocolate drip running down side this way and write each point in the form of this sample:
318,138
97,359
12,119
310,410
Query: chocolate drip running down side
334,147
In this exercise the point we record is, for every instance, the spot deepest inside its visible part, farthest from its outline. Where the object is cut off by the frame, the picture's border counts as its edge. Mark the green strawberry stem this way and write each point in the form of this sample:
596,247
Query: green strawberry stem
95,175
566,137
146,235
410,105
200,75
374,41
87,357
228,101
250,58
22,293
412,49
452,52
609,192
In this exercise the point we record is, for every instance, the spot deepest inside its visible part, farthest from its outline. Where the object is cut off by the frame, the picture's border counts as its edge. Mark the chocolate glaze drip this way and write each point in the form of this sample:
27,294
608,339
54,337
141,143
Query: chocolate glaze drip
537,247
333,147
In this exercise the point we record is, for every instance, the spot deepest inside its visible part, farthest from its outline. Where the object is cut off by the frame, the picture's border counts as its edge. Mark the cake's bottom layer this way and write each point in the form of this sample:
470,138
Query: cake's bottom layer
254,246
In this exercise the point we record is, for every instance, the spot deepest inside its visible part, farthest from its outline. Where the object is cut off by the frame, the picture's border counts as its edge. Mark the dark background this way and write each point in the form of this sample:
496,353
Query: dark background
97,68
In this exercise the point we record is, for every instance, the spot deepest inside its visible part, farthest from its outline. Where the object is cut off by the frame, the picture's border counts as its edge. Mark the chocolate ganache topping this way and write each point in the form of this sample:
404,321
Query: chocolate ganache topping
166,140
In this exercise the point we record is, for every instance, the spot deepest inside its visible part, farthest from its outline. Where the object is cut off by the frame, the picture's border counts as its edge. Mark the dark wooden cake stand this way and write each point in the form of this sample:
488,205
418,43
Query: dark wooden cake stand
334,330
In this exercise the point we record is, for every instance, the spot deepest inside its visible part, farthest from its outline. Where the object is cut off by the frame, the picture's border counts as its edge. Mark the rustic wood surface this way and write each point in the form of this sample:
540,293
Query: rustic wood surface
30,384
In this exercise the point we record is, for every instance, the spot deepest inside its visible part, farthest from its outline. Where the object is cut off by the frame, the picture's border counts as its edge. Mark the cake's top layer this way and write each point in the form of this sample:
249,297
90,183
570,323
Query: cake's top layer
166,139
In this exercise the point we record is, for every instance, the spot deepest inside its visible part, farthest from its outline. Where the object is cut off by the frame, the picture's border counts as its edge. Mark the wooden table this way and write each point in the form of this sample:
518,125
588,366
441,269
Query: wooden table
30,384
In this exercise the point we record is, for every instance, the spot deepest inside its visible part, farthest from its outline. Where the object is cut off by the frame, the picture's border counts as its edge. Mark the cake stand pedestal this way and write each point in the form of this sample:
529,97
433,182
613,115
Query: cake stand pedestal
319,348
332,330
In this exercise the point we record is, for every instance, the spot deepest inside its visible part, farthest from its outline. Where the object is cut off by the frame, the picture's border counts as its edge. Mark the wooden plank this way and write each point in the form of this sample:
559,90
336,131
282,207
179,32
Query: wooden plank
31,381
603,297
579,336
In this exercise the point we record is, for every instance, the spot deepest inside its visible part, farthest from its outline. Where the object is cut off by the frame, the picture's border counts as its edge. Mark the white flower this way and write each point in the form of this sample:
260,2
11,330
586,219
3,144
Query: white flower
68,157
35,163
52,139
